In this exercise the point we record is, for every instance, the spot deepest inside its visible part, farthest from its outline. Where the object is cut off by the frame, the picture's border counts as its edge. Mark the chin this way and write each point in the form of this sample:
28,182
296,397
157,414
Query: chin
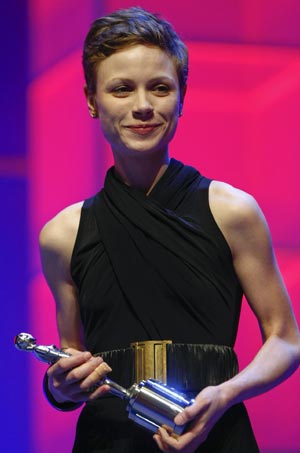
146,151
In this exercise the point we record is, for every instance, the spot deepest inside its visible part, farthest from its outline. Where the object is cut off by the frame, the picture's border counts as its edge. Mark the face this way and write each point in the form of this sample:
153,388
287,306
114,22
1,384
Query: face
137,99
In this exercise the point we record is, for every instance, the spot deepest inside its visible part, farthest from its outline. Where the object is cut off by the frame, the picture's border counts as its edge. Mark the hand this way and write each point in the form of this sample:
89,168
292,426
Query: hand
70,378
208,407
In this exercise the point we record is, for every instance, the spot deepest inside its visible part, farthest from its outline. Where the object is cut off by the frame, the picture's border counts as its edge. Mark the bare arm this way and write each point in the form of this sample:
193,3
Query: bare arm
57,240
257,270
247,234
69,379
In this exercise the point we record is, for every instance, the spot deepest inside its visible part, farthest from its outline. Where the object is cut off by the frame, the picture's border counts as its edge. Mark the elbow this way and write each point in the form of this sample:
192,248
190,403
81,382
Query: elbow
298,350
295,352
288,350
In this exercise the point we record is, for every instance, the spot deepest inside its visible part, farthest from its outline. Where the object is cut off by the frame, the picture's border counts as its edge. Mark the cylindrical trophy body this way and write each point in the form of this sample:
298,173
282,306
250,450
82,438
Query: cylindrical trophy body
153,404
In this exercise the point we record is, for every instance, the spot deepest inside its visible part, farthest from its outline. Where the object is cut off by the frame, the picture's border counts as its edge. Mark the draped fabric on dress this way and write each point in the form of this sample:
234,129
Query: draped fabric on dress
156,266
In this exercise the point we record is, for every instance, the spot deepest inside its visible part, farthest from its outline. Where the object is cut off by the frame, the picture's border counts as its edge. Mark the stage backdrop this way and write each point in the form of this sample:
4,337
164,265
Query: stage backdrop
240,124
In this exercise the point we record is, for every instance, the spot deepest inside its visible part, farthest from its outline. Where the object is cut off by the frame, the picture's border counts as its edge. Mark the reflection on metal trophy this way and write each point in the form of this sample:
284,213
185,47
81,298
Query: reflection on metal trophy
151,403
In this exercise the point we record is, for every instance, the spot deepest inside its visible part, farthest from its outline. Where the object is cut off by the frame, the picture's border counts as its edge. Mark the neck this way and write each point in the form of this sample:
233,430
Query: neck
141,172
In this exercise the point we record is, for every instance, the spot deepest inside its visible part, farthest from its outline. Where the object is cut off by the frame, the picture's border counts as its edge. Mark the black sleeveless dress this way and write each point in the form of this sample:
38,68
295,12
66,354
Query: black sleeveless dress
154,267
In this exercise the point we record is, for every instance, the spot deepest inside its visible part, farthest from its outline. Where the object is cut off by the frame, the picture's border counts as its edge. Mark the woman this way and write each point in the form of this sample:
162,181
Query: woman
161,253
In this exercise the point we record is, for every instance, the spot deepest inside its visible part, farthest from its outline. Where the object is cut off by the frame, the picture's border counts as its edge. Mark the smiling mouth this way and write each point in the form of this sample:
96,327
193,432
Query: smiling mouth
143,129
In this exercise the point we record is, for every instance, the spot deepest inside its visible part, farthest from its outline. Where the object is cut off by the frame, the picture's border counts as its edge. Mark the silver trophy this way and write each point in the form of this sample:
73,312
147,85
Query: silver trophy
151,403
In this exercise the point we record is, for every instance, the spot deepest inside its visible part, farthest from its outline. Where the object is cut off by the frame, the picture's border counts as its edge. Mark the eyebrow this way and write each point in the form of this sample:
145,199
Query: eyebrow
153,80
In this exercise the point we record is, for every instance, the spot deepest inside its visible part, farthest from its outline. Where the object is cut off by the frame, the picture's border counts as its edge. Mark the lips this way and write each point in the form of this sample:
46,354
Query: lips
143,129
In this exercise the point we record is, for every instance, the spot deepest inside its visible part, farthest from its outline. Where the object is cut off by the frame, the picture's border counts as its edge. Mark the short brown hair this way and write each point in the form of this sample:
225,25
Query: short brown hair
129,27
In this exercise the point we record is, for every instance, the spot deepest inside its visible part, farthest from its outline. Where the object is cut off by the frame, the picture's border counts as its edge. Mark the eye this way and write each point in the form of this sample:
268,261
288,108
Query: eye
121,91
161,89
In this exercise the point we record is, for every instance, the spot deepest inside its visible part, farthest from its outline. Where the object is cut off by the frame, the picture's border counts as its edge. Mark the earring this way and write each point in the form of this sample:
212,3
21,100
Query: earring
93,114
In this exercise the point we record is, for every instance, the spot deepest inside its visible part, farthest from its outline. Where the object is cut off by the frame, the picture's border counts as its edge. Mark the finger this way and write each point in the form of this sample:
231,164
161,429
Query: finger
81,372
177,443
72,351
76,394
96,375
188,414
159,442
100,391
68,363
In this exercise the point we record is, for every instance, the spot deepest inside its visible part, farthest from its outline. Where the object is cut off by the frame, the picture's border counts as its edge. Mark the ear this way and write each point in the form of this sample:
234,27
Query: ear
90,99
182,96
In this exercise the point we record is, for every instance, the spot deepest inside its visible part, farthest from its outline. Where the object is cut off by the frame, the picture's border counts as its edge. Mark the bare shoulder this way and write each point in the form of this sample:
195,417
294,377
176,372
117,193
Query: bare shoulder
233,204
57,237
237,214
61,228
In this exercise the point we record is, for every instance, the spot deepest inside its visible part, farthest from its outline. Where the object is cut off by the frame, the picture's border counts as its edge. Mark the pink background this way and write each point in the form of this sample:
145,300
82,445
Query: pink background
240,125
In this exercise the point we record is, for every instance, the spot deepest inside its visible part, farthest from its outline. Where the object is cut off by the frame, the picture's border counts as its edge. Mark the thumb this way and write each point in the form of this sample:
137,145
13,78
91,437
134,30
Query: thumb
188,414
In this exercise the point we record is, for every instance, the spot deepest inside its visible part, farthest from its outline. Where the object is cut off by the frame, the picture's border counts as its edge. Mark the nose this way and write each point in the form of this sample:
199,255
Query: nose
142,107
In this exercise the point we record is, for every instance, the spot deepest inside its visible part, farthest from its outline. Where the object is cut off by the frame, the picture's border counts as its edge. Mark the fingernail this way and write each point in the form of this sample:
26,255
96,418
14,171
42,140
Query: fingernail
98,360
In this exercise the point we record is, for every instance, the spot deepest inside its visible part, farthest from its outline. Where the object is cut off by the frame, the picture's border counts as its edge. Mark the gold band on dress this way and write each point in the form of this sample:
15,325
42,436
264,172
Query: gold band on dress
151,359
